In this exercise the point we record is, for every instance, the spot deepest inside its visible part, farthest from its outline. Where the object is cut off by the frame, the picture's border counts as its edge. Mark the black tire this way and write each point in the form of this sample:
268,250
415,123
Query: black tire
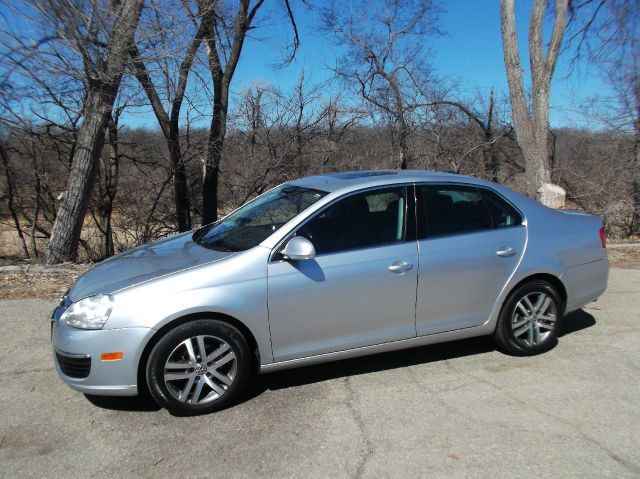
215,334
516,332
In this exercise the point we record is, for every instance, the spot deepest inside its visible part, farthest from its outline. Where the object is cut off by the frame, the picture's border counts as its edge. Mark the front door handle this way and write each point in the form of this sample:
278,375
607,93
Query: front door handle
506,252
400,267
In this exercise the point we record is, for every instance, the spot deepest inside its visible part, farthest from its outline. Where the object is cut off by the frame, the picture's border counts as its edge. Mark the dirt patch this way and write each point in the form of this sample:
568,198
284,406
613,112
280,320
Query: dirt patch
48,285
625,258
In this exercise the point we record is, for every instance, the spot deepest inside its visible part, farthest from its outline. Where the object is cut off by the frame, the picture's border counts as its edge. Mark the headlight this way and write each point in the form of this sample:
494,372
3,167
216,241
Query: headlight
89,313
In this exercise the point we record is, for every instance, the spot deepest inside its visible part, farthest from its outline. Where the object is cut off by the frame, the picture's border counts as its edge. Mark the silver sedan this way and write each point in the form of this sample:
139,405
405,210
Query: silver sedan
325,268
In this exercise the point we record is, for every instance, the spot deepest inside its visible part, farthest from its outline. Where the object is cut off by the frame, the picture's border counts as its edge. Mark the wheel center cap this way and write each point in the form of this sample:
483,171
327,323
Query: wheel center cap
201,368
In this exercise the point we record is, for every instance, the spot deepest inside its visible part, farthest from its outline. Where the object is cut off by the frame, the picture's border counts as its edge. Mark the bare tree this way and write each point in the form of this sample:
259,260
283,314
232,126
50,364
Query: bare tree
383,58
98,35
10,196
224,43
166,53
607,32
492,131
279,131
106,186
531,120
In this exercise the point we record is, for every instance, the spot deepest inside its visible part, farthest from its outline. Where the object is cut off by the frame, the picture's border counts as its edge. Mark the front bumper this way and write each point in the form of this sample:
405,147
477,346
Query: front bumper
109,378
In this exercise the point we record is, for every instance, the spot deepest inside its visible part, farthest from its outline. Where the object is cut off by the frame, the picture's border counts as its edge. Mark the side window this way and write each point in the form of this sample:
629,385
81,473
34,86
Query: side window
454,209
502,213
360,221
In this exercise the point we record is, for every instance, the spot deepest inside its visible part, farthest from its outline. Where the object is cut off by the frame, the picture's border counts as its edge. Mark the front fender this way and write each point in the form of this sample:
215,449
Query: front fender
236,287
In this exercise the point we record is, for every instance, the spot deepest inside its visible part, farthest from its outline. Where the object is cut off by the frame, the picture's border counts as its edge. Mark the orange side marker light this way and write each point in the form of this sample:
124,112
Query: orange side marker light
111,356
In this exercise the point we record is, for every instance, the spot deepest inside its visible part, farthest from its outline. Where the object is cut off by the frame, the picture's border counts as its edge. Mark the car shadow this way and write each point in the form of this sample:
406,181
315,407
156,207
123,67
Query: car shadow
577,321
142,402
367,364
573,322
259,383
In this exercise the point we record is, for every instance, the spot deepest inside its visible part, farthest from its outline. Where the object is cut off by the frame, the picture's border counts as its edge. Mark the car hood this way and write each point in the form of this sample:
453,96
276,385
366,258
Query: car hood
144,263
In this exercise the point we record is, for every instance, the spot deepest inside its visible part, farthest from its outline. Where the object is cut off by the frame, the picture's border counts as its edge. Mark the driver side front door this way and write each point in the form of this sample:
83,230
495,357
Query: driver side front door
359,290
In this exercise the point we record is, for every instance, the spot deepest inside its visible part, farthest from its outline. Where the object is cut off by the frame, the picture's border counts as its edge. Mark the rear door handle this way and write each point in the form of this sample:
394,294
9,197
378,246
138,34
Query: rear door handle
506,252
400,267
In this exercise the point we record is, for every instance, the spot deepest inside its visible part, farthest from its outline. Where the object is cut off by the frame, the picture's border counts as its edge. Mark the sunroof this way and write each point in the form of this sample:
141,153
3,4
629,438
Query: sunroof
352,175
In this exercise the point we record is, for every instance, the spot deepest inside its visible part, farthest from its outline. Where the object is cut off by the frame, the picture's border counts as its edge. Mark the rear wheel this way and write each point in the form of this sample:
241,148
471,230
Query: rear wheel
530,320
199,367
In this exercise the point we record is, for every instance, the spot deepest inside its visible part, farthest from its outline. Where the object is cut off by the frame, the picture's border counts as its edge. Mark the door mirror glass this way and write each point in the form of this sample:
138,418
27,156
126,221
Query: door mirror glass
298,248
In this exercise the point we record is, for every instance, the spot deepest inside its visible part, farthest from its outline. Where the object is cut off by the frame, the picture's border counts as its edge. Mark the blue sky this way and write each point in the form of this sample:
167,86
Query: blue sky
470,54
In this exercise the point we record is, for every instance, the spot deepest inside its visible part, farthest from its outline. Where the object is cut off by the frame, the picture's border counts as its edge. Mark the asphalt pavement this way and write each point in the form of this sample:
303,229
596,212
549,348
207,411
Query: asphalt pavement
460,409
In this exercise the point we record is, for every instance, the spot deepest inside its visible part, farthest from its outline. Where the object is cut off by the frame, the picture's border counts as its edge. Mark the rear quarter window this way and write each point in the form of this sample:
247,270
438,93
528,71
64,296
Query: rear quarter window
502,213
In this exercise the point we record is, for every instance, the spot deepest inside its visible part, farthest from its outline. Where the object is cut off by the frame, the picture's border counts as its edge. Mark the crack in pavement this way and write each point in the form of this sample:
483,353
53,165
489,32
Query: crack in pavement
369,450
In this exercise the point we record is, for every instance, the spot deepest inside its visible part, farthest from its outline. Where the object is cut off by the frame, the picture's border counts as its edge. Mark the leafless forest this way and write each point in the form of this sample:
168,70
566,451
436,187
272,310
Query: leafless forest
80,182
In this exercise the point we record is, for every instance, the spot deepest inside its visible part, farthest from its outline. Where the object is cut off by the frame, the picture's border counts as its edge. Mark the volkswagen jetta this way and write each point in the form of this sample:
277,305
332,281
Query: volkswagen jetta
326,268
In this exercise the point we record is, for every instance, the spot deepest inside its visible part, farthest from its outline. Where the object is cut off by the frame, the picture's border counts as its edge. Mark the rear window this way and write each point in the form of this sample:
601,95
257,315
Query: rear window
453,209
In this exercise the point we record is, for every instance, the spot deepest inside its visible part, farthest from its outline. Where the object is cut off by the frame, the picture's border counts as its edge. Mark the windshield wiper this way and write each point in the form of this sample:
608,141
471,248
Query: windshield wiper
200,233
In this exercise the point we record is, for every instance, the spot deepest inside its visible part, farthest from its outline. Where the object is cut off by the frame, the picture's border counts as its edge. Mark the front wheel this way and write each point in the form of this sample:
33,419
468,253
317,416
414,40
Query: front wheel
199,367
530,320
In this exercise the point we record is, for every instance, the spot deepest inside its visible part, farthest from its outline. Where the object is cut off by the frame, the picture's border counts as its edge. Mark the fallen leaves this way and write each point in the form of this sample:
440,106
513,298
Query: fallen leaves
626,258
37,285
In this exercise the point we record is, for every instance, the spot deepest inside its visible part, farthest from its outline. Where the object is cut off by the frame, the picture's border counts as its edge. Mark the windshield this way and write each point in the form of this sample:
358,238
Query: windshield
254,222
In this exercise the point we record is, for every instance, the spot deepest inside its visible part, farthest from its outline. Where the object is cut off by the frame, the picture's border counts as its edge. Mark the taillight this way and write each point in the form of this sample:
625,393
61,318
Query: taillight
603,237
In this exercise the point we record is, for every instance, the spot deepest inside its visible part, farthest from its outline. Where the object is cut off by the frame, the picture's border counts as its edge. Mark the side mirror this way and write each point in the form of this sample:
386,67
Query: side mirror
298,248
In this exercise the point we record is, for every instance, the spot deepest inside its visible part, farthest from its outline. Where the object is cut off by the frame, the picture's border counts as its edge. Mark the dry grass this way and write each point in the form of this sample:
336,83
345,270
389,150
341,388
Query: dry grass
624,258
50,285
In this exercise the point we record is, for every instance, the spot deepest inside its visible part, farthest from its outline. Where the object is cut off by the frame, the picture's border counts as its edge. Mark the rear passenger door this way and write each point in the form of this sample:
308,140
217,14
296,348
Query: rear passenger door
470,241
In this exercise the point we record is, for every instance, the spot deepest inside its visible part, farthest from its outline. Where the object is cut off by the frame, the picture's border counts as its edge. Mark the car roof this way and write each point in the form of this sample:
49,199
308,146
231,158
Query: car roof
355,180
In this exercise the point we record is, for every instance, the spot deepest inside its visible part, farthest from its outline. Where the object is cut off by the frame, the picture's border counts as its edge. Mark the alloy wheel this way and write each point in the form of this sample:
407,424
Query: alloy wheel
200,369
533,319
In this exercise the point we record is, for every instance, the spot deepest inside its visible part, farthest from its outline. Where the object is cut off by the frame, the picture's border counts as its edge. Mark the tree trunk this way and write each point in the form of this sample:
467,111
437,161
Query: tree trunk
534,147
636,176
65,235
10,195
491,163
109,190
404,149
36,207
211,172
180,185
403,133
221,79
532,125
